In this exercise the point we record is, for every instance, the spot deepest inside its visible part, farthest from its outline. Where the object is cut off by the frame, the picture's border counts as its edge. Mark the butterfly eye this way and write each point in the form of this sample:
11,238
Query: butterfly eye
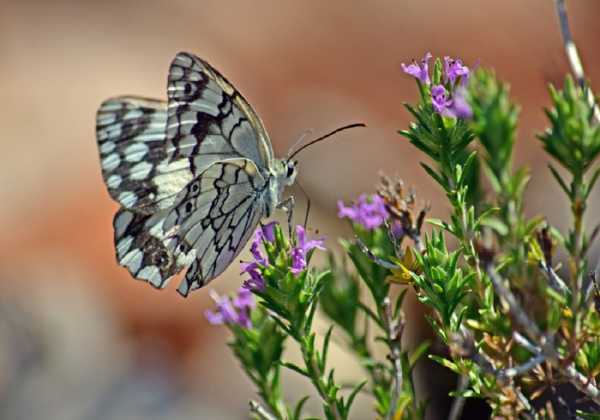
290,169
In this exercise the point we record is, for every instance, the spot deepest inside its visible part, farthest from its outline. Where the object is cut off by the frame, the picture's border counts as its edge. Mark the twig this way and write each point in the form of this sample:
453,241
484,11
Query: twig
573,55
581,382
554,279
260,411
526,404
525,367
458,404
379,261
463,344
514,307
394,329
524,342
543,343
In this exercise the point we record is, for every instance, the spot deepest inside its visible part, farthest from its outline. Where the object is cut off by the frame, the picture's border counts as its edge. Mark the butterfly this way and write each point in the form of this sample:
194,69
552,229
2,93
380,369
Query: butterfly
194,175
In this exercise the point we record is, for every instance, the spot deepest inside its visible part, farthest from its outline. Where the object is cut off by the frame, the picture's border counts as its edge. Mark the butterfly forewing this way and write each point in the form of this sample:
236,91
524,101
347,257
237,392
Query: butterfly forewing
208,120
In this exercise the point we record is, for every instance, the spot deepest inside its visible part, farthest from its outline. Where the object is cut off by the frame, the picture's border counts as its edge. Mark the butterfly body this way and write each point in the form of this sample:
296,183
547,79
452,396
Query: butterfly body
193,175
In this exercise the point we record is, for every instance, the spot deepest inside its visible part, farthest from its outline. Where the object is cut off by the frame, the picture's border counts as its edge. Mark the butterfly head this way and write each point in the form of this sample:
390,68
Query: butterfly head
290,168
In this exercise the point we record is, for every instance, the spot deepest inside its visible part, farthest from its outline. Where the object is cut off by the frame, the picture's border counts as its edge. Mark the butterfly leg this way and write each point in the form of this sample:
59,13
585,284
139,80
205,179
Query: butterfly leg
288,205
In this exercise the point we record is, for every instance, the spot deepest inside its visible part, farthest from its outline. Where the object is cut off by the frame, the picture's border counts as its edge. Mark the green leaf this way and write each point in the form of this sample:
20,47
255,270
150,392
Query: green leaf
353,395
298,409
325,348
295,368
560,181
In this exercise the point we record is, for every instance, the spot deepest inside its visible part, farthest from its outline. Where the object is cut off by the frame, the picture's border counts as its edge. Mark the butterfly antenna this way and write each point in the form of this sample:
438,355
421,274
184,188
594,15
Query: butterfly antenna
307,203
337,130
303,136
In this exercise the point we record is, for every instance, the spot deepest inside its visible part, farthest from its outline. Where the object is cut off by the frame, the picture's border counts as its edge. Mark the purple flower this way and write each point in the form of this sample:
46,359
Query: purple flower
224,312
298,253
244,299
256,281
421,71
460,108
232,312
439,99
268,231
255,247
370,212
453,69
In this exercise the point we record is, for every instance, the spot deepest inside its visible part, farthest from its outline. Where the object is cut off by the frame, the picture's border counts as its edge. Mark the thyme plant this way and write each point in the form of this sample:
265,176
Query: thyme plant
513,300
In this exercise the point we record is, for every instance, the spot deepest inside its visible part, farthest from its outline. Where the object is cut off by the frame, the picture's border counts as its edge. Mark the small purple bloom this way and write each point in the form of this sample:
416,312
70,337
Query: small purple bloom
268,231
298,253
255,247
244,320
244,299
421,71
256,281
370,212
439,99
224,312
232,312
349,212
460,108
453,69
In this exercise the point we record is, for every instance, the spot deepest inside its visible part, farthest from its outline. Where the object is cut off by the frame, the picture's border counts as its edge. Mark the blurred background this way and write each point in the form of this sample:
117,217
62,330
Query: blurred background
79,339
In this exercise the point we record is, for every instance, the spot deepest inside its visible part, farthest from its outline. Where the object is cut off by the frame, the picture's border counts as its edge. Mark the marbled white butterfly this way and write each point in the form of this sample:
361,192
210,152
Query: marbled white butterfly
193,175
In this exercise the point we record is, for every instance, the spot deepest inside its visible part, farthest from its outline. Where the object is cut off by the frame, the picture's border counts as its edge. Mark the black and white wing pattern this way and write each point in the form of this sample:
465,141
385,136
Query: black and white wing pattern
189,173
214,217
209,120
142,247
135,167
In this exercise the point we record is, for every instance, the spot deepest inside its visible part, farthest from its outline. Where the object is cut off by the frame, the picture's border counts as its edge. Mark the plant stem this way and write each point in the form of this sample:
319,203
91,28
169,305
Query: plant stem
458,404
260,411
573,55
316,377
393,331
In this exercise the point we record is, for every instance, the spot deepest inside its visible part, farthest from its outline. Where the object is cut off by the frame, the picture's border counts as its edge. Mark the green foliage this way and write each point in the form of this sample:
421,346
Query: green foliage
513,320
443,285
573,138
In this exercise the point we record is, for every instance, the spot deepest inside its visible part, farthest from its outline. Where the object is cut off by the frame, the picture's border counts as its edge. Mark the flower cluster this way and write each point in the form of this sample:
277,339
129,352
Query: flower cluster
368,211
237,310
447,95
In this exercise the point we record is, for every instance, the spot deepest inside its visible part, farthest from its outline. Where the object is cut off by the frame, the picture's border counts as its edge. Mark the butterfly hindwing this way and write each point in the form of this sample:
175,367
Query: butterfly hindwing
209,120
213,218
131,141
141,247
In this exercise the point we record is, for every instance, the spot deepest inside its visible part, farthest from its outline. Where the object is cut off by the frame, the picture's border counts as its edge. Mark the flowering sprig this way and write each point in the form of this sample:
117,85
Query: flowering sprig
464,286
367,211
445,89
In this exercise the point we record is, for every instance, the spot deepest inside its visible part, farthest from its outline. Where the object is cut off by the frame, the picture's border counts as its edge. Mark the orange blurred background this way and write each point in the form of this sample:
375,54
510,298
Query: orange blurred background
79,338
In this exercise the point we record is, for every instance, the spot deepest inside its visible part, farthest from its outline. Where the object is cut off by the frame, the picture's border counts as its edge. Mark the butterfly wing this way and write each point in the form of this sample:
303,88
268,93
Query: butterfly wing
209,120
131,141
142,247
150,151
214,217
